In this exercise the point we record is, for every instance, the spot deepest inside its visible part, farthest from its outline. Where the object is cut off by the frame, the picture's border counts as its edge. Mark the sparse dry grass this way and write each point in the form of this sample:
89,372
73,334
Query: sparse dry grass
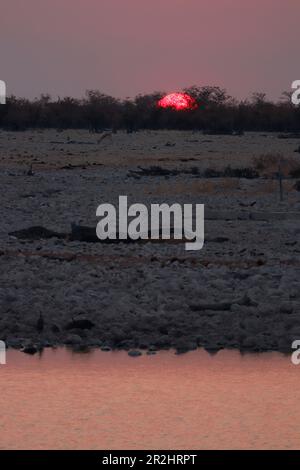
269,164
226,186
201,186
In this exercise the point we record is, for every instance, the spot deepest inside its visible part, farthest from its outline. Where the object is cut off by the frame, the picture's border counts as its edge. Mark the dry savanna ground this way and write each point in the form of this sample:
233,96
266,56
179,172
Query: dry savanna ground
242,290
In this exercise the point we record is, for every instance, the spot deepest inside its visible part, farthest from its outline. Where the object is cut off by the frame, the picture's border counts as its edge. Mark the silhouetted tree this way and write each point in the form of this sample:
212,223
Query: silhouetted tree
217,112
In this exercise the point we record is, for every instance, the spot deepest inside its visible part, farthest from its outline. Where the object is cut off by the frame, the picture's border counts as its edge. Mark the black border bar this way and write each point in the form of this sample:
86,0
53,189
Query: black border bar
101,458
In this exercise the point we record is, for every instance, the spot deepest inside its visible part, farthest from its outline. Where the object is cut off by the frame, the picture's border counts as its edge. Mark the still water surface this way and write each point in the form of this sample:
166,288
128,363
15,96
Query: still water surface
63,400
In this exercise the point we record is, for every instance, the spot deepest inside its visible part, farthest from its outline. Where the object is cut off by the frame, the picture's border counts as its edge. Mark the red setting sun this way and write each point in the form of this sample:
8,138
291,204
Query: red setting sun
178,101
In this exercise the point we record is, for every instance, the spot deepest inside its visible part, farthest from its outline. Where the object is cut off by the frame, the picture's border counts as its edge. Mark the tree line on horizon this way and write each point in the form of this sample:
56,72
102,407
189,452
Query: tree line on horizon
217,112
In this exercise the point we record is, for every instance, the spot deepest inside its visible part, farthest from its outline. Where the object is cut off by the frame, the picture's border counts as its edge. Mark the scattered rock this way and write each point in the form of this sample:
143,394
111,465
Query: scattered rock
55,329
297,186
40,324
134,353
30,349
73,339
36,233
287,308
204,306
81,324
246,301
15,343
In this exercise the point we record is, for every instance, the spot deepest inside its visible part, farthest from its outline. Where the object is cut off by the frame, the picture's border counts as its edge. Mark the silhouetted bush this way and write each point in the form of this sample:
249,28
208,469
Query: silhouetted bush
217,113
273,164
295,172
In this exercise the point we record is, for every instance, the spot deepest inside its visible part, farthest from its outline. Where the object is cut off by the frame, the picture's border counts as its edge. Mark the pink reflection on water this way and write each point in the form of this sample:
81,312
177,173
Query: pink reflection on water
111,401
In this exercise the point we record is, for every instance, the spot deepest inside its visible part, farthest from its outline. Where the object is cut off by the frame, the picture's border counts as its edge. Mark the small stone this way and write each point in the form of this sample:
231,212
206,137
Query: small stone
73,339
30,349
81,348
134,353
47,344
286,308
83,324
95,343
15,343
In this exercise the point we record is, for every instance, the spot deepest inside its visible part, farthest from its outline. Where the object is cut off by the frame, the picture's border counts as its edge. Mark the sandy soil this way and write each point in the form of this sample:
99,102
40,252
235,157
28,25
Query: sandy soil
241,291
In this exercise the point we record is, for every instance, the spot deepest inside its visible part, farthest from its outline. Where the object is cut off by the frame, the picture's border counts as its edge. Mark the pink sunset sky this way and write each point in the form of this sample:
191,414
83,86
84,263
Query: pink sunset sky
125,47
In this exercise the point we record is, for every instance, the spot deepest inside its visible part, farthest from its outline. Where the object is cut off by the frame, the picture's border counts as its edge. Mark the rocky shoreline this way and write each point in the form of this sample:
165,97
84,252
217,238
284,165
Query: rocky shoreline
241,318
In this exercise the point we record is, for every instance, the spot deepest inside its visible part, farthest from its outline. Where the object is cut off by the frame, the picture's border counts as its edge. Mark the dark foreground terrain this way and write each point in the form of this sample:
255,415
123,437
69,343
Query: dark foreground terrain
241,291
